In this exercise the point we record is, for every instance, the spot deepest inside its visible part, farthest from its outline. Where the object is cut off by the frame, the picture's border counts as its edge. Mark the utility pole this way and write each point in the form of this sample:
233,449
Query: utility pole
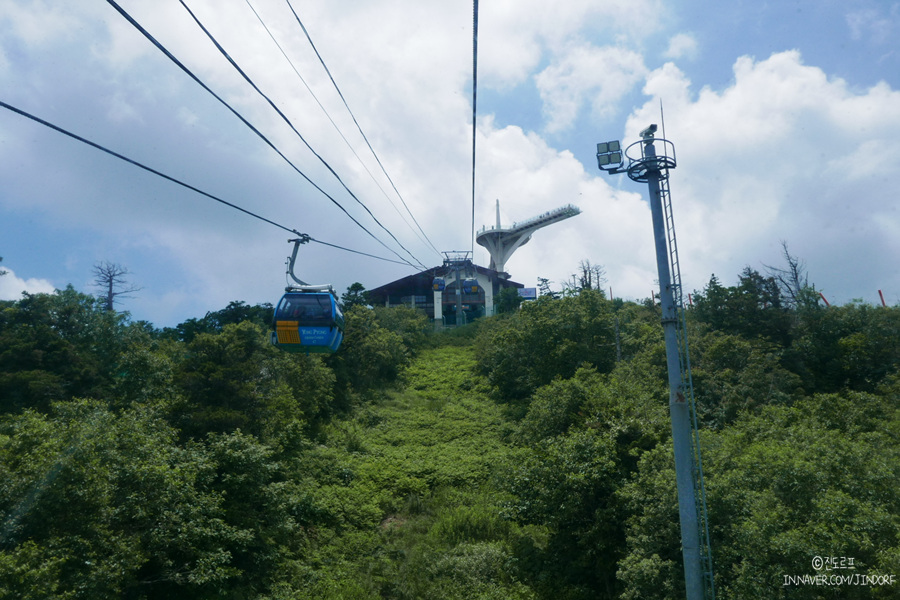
648,165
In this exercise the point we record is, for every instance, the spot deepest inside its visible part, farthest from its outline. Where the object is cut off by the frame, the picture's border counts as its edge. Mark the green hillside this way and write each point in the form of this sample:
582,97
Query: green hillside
526,456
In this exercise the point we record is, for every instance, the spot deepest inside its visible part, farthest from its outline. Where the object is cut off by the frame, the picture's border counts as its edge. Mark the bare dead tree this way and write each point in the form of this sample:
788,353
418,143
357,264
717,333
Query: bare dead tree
589,277
792,279
593,277
2,271
111,279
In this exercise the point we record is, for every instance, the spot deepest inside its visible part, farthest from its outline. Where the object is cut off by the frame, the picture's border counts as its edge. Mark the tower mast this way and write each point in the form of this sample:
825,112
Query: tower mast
647,164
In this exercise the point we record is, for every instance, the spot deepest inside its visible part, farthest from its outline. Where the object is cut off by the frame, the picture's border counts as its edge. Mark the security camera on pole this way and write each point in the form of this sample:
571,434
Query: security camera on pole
648,164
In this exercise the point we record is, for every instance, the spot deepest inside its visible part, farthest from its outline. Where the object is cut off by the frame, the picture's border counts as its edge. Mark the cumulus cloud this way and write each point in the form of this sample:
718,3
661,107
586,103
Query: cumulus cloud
784,153
682,45
12,286
515,36
587,74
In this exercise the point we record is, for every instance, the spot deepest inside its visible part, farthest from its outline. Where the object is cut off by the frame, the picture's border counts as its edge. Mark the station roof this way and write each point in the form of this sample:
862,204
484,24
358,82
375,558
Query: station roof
424,279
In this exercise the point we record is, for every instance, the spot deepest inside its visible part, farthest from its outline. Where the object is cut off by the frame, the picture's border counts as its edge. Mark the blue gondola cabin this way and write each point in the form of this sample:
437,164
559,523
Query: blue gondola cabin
308,322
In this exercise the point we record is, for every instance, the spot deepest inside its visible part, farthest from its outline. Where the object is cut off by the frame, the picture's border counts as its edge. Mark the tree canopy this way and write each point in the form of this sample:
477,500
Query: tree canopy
526,456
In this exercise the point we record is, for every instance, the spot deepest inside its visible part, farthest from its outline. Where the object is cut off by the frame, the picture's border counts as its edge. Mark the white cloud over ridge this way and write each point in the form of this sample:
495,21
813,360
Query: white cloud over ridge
12,287
785,153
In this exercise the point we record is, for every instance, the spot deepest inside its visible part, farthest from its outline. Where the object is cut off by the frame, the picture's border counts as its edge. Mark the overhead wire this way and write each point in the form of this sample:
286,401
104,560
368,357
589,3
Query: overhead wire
331,120
102,148
190,74
312,239
293,128
423,237
353,116
474,107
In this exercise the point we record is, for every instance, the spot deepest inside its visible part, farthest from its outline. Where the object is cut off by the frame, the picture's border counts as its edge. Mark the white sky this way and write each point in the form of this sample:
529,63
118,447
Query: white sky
785,118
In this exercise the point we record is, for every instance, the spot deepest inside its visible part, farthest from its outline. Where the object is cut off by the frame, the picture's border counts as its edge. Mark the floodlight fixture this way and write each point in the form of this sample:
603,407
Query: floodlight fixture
610,157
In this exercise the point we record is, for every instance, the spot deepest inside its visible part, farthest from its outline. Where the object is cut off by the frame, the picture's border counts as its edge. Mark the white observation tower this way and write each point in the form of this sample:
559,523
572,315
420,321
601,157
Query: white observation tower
501,243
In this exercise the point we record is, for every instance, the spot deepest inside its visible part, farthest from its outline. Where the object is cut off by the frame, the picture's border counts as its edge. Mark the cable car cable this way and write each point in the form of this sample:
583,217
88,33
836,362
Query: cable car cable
335,125
294,129
312,239
190,74
378,160
474,107
138,164
75,136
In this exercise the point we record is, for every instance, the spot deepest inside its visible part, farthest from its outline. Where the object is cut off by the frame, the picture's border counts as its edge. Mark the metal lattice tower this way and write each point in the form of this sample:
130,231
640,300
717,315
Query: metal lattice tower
648,165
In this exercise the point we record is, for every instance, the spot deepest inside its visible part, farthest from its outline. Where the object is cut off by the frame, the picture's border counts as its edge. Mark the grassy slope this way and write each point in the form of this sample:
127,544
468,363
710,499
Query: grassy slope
410,481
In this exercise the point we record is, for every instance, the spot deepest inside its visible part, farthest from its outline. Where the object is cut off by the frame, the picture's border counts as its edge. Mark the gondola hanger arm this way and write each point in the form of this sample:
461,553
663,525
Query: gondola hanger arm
302,285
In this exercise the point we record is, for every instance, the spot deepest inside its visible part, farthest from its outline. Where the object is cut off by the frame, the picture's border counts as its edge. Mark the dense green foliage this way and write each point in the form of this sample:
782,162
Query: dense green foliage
526,456
215,321
546,339
355,295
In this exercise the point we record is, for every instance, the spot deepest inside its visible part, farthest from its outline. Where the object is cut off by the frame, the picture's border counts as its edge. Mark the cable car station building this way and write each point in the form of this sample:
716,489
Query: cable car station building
459,291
